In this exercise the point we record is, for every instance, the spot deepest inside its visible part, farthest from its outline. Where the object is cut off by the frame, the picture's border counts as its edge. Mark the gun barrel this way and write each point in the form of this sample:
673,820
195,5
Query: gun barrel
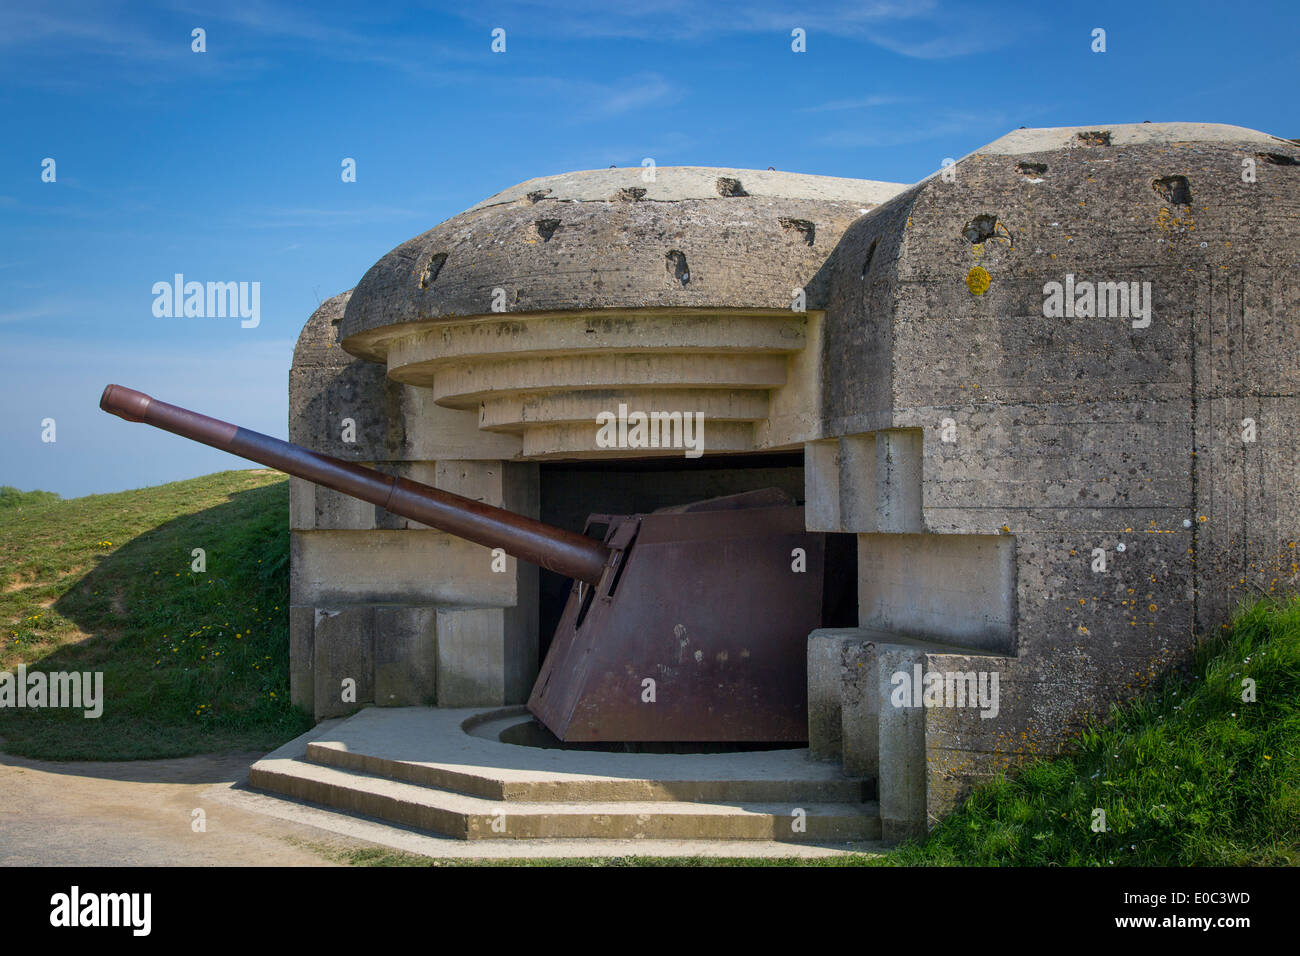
573,555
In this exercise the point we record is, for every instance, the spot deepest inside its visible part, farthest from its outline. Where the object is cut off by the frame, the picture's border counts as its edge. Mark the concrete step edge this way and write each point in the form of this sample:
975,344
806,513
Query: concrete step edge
589,788
473,818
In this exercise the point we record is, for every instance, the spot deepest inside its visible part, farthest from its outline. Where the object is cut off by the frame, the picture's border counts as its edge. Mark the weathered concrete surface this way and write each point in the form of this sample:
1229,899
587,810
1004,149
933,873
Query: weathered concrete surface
420,768
366,586
860,706
958,588
405,655
459,749
825,693
1083,438
901,756
606,239
677,183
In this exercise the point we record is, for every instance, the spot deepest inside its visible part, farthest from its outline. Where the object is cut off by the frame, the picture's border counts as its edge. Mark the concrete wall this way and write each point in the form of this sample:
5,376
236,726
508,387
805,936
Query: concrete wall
409,614
1066,440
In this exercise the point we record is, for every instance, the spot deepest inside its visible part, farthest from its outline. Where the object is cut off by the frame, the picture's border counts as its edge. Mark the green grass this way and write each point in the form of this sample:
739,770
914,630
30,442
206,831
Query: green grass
1189,776
11,497
192,662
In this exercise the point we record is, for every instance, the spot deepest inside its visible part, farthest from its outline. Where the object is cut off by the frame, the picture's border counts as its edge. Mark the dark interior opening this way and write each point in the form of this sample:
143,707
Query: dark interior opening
573,490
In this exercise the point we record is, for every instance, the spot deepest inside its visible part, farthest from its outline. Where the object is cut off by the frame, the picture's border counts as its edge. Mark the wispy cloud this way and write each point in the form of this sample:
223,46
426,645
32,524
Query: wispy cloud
936,126
248,39
688,19
82,25
84,44
597,101
44,311
305,217
637,93
134,42
961,43
921,29
861,103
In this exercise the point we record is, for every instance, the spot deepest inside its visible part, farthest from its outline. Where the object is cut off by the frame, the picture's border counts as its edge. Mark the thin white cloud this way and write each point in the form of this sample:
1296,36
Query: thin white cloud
861,103
638,93
950,125
306,217
919,29
138,39
672,20
28,314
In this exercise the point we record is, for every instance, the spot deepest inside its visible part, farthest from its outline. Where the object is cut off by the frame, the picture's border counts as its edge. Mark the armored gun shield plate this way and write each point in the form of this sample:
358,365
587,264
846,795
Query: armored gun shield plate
696,632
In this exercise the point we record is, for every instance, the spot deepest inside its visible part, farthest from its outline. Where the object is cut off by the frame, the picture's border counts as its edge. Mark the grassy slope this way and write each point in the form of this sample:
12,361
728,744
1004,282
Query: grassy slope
1189,776
192,662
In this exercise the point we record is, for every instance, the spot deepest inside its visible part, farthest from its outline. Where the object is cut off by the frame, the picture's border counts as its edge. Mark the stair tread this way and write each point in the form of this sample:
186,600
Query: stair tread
464,803
433,737
578,787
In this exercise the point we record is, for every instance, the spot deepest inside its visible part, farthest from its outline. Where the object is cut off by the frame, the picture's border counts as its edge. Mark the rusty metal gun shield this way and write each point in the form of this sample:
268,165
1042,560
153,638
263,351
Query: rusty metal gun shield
706,604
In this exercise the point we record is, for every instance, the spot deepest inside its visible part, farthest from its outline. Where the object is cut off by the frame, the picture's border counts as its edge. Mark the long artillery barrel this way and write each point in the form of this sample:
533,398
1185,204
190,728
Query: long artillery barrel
570,554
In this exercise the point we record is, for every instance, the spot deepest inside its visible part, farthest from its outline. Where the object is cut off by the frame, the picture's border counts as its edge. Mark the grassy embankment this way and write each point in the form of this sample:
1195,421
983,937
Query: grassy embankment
192,662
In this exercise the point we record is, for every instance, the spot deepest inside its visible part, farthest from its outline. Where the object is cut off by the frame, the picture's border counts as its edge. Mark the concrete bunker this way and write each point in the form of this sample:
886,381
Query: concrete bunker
979,452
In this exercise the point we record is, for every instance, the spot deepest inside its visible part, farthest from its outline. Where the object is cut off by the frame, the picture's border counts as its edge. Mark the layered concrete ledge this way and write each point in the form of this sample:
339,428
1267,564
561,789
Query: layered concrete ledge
418,767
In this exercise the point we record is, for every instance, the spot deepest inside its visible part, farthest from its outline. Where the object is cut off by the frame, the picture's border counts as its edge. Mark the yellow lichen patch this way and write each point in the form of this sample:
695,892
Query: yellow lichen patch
977,280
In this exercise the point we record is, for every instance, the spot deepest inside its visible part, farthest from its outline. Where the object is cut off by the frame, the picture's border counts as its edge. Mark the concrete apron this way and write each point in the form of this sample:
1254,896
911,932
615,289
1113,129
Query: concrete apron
438,782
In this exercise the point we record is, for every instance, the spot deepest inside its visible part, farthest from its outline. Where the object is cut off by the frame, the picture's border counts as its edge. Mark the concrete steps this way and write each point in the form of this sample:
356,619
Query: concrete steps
586,788
444,781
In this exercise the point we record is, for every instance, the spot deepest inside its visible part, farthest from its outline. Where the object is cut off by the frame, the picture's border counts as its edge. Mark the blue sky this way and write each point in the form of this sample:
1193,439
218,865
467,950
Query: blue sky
225,165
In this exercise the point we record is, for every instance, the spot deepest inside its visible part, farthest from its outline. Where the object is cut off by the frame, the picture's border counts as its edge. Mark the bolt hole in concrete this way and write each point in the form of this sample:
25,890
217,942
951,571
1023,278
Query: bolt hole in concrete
675,262
522,729
1173,189
1278,159
871,254
1096,137
728,187
802,228
546,228
436,262
983,228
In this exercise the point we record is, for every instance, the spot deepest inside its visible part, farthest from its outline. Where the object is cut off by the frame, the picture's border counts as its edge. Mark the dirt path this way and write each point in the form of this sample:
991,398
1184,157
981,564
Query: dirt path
140,813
